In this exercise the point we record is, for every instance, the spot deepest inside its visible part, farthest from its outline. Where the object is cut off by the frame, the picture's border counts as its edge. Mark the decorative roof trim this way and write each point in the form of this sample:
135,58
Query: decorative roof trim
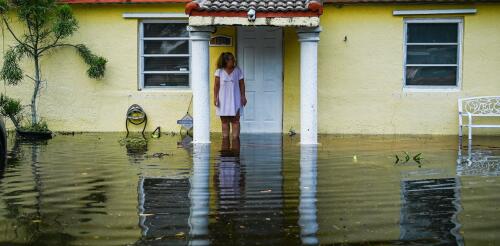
258,14
153,15
300,21
262,8
434,12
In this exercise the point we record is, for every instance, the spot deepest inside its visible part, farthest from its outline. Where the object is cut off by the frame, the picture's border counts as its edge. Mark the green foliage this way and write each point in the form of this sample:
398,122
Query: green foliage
11,71
11,108
418,158
34,12
40,126
4,6
97,64
65,24
134,143
406,157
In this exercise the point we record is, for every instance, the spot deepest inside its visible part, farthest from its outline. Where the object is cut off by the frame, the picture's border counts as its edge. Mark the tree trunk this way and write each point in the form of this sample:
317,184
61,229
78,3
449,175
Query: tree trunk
34,115
15,121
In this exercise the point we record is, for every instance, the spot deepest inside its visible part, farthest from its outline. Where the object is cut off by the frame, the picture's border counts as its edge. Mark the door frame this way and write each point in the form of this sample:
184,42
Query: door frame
281,59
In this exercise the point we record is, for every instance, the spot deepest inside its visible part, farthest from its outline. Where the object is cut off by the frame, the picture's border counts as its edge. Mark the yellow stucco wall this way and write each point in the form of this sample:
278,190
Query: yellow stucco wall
71,101
360,80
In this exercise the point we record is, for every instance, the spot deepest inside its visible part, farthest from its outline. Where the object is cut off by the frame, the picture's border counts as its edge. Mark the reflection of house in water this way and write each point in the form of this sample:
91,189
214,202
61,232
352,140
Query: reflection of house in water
244,203
249,195
478,167
478,161
163,210
429,212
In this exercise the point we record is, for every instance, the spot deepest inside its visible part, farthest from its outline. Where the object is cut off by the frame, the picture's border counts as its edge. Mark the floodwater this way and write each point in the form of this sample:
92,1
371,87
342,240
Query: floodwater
89,189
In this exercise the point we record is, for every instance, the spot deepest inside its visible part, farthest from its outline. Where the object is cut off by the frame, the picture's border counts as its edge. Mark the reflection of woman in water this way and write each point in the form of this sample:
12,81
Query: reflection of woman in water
229,177
229,185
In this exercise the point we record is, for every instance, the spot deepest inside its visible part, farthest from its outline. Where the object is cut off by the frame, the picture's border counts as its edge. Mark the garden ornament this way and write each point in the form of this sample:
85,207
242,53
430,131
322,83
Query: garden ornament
136,116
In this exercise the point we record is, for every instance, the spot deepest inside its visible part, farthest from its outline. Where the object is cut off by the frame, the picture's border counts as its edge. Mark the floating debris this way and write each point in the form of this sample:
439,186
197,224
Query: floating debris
158,155
406,157
133,142
418,158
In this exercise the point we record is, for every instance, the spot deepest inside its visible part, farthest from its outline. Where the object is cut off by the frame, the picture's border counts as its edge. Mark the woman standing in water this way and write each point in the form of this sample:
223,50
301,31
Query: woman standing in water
229,94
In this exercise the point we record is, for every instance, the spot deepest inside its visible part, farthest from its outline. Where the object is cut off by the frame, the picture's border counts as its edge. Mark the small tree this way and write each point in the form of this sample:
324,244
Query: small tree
46,26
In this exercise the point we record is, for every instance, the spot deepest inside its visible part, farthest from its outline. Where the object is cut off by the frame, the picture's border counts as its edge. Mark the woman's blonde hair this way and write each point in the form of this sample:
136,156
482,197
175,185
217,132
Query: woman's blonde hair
223,58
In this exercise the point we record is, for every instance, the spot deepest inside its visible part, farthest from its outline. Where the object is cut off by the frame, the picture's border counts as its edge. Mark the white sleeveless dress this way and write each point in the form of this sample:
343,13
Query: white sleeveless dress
229,92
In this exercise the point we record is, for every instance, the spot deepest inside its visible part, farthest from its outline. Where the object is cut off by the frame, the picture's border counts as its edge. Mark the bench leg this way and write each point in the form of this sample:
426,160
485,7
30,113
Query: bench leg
470,126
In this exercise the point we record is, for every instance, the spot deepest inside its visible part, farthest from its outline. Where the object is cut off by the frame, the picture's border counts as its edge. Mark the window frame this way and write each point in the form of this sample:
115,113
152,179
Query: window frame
141,55
435,88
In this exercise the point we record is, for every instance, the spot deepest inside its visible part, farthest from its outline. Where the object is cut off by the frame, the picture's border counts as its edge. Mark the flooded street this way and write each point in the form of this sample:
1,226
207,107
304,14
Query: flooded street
89,189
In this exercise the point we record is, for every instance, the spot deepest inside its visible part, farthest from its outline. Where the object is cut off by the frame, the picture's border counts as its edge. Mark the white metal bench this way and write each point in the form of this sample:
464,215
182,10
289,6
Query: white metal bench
488,106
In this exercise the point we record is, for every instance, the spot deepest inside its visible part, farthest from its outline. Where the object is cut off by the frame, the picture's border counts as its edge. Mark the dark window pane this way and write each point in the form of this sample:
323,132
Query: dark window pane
155,30
166,80
166,47
166,63
444,76
431,54
432,33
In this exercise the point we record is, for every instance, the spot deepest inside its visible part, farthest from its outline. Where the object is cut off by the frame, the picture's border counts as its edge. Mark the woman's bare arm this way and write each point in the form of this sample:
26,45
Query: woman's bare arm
216,91
242,92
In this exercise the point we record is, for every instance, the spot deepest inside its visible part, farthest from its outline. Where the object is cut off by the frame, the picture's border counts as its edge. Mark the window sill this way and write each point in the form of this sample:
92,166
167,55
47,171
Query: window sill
425,89
168,89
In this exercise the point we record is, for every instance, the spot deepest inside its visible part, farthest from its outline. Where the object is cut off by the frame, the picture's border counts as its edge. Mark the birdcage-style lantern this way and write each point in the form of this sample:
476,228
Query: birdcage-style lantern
136,115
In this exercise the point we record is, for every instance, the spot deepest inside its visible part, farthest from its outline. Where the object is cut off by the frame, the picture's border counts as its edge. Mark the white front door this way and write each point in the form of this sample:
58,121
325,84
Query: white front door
260,57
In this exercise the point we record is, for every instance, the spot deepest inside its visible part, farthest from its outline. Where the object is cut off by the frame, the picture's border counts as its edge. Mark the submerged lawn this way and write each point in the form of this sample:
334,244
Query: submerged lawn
93,189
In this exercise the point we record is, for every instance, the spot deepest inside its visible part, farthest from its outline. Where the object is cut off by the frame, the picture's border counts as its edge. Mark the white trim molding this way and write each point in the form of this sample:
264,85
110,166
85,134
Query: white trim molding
153,15
434,12
141,56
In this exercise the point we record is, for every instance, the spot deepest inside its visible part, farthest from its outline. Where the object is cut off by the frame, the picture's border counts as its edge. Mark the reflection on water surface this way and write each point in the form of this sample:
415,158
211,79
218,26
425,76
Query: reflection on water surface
264,189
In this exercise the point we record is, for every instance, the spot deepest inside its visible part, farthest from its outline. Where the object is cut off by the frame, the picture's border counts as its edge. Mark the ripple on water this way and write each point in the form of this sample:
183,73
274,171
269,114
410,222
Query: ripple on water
88,189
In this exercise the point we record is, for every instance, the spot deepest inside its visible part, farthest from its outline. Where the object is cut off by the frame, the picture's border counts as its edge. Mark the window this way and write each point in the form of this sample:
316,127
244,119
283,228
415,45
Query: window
432,53
164,54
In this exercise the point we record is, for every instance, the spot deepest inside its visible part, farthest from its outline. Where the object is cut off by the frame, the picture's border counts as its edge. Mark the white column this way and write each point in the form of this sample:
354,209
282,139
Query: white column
199,195
200,82
307,204
308,38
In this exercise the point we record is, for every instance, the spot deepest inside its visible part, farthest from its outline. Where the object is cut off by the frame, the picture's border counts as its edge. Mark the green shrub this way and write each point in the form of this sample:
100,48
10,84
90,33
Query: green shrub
11,108
40,126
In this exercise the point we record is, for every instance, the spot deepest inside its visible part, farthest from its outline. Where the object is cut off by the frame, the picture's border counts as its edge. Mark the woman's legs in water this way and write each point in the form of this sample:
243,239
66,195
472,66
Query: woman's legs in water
235,125
225,125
